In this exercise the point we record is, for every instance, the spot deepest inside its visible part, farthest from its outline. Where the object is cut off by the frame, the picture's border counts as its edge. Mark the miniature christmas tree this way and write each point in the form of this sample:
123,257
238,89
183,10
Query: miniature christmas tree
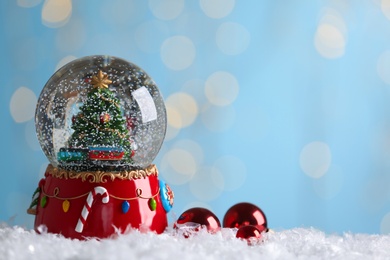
100,125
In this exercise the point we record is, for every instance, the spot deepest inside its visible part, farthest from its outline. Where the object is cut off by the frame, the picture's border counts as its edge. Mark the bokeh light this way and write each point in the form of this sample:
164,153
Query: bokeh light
178,166
118,12
221,88
217,8
167,10
385,6
178,52
56,13
182,110
315,159
330,38
22,105
193,147
232,38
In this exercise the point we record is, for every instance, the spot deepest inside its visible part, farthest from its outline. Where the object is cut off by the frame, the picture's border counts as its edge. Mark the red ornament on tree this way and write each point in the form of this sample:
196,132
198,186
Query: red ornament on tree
104,118
245,214
249,233
195,218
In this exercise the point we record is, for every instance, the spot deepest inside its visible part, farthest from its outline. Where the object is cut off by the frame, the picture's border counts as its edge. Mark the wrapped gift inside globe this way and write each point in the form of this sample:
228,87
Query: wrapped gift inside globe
100,112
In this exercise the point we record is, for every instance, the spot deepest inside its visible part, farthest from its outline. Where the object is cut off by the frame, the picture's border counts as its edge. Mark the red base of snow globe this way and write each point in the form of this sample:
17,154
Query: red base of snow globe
101,204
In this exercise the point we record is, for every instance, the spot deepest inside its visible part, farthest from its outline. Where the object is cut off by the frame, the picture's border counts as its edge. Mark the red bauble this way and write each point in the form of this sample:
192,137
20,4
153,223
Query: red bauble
250,233
104,118
195,217
245,214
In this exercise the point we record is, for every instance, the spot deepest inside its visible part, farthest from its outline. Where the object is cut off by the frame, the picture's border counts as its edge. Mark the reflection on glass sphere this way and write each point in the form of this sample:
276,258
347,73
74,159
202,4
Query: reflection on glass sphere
100,112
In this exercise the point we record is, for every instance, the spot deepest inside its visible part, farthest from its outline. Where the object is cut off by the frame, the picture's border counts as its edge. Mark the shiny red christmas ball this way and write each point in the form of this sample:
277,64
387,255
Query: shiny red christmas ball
250,233
245,214
195,218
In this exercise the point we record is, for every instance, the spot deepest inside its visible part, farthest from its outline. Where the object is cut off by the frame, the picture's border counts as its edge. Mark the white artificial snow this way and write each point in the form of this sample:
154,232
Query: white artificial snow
299,243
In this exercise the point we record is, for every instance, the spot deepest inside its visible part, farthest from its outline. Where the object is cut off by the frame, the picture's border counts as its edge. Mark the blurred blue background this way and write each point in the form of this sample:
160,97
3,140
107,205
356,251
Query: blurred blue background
284,104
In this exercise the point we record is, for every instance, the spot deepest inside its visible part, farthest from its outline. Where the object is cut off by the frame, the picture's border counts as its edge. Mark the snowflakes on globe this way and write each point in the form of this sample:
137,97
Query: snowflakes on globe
100,112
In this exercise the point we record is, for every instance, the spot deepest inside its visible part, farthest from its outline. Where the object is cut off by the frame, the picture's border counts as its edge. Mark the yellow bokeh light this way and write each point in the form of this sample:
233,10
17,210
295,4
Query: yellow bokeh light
232,38
22,105
329,41
178,166
182,110
385,7
181,161
191,146
174,118
331,35
56,13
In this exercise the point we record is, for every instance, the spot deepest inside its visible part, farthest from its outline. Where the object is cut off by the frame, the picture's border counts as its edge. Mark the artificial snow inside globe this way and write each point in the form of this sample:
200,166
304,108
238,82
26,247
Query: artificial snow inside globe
100,121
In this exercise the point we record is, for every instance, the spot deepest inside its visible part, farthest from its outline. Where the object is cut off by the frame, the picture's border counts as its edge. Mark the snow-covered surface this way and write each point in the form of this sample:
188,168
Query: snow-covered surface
299,243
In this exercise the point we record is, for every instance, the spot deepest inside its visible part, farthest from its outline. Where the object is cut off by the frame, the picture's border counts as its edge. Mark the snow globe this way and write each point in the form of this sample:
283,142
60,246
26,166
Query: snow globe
100,121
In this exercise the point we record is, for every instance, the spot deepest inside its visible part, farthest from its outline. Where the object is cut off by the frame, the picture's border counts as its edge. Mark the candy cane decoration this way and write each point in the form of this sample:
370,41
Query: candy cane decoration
88,204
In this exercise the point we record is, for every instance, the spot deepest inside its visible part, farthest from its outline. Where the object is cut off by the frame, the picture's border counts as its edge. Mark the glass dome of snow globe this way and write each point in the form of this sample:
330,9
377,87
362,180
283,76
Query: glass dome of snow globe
100,113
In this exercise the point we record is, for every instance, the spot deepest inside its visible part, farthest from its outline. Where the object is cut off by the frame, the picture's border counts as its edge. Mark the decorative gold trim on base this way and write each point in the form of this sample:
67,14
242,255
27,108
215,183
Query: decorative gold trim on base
101,176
